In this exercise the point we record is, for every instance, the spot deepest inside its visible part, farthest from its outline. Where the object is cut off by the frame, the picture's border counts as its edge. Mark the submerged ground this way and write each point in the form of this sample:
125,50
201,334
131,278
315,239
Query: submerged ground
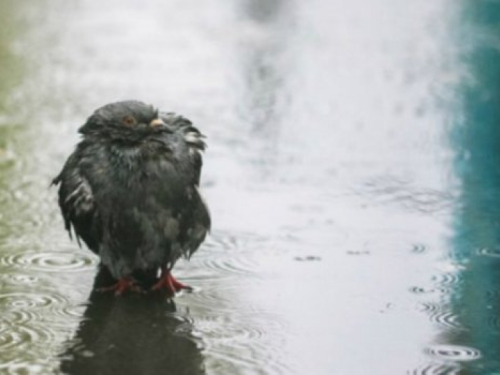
352,174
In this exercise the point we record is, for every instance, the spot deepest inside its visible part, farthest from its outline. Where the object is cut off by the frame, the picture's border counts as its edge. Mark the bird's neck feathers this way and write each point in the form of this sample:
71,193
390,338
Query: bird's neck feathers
118,134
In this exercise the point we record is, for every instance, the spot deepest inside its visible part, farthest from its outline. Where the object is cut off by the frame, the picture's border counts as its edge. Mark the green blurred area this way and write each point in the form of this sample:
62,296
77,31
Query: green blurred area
11,63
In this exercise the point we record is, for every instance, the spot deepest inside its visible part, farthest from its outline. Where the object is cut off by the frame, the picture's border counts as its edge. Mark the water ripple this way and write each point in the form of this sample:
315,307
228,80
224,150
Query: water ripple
453,352
447,280
221,241
387,189
428,307
435,369
441,315
220,298
19,317
420,290
50,261
20,307
235,340
13,337
28,300
23,279
227,256
226,362
224,328
419,248
234,265
18,279
30,321
489,252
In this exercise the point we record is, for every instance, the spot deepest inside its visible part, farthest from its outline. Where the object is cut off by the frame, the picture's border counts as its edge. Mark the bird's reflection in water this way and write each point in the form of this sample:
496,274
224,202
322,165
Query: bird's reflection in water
132,334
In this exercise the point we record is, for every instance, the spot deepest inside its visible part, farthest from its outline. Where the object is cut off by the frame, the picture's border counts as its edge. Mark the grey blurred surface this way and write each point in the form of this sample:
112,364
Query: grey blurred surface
352,174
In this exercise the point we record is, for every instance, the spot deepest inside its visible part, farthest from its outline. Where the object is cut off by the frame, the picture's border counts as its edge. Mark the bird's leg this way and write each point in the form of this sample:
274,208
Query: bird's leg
121,286
170,283
177,284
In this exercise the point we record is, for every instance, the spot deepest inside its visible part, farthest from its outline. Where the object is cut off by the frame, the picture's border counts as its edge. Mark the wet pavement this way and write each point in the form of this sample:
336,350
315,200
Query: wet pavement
352,175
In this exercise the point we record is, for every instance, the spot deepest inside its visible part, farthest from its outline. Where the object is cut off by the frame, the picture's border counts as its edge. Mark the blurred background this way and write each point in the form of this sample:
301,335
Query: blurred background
352,175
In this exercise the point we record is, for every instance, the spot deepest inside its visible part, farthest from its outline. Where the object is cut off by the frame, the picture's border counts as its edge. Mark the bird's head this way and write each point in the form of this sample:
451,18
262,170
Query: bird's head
128,118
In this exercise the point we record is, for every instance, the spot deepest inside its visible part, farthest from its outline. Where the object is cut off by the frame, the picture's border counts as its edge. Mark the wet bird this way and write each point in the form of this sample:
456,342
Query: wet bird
130,192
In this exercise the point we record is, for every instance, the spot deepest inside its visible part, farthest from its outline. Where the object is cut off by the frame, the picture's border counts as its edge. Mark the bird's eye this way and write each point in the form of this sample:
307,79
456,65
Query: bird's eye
129,120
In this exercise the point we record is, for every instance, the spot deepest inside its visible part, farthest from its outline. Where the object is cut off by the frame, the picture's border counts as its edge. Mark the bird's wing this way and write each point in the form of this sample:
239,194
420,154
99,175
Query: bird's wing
77,203
200,225
191,137
196,223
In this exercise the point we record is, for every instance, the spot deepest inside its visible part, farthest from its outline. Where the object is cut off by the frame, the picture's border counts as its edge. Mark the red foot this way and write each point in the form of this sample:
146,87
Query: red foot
169,282
121,286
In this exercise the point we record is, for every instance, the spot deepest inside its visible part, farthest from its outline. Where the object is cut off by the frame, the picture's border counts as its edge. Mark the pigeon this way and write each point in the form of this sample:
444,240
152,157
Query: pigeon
130,192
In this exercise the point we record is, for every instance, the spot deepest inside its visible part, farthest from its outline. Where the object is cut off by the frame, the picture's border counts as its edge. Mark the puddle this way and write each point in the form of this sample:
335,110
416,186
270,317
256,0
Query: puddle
351,172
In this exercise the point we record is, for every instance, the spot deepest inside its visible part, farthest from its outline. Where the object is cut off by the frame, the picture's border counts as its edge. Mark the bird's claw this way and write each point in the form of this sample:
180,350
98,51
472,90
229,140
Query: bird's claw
170,283
121,286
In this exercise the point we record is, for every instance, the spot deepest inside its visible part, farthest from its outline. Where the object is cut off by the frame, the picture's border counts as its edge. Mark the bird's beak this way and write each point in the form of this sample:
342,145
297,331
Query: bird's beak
157,122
